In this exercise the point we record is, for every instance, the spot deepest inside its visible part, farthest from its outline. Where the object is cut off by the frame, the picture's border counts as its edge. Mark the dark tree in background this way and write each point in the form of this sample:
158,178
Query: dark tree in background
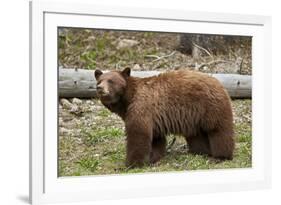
231,51
201,44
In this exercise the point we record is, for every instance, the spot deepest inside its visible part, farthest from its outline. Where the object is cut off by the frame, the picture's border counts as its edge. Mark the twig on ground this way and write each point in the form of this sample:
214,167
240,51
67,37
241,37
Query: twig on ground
172,143
128,168
241,66
160,57
204,49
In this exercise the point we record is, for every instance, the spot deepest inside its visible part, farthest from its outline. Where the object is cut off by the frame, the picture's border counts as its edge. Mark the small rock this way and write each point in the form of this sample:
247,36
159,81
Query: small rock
205,68
74,109
60,110
89,102
63,131
136,67
69,125
76,101
65,103
61,124
66,116
126,43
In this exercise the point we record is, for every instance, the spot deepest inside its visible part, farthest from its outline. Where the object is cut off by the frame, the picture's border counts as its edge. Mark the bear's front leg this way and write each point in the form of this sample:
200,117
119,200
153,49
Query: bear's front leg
139,142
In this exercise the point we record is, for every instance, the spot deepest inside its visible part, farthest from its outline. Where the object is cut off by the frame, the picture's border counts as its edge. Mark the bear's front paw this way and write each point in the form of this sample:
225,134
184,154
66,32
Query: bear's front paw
133,162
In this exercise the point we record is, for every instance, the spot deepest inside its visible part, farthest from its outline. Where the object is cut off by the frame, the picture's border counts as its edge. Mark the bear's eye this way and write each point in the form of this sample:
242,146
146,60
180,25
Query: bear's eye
110,81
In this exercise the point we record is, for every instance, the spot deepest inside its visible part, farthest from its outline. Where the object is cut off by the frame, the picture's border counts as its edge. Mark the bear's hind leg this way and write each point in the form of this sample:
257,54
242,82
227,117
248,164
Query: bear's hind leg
199,144
158,149
221,144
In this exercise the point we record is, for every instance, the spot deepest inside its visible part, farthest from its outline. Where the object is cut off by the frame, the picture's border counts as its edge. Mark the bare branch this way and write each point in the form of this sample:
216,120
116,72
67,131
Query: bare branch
160,57
172,143
204,49
241,66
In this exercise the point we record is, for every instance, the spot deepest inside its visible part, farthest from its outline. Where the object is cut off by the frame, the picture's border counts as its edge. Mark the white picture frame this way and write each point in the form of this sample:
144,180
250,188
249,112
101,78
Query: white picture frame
46,186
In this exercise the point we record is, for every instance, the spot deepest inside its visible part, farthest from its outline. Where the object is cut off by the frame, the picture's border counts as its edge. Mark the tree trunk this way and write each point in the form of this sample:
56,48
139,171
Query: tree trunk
196,52
81,83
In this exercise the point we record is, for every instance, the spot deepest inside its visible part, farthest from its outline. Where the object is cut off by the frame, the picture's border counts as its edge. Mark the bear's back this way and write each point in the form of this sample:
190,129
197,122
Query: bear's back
178,101
180,87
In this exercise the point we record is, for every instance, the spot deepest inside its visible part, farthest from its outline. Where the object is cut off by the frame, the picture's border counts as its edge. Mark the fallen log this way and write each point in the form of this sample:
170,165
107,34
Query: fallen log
81,83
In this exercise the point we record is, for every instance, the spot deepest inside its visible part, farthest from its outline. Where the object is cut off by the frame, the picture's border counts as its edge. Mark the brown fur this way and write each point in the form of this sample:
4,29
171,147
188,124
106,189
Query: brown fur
188,103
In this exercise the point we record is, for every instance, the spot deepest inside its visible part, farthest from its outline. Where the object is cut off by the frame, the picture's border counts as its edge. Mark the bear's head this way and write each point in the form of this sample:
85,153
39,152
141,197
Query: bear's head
111,86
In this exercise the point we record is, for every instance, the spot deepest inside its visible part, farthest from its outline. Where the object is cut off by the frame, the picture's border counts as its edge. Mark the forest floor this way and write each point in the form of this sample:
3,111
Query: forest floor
92,139
108,50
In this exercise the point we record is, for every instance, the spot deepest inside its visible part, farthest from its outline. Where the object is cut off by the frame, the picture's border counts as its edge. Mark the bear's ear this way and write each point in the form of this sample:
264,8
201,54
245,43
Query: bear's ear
126,72
98,73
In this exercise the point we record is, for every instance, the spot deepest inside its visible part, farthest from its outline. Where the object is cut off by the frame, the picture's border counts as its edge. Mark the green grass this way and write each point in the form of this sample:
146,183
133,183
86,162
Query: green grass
102,134
89,163
100,148
92,49
104,113
108,148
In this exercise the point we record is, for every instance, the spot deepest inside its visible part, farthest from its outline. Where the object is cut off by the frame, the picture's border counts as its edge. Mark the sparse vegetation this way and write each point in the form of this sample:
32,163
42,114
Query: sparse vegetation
103,49
99,148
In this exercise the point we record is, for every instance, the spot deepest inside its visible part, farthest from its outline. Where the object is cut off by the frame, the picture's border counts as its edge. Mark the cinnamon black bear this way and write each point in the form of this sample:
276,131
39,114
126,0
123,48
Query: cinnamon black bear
187,103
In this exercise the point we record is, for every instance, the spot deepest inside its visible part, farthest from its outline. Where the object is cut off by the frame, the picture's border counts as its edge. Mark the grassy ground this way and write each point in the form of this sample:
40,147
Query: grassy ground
87,148
92,49
92,140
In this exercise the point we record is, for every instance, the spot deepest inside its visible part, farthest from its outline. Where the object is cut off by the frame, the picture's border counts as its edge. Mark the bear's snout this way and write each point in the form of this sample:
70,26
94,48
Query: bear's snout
102,91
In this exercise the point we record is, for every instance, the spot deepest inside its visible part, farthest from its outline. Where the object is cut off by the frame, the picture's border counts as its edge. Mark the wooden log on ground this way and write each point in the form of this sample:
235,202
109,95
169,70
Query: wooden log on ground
81,83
